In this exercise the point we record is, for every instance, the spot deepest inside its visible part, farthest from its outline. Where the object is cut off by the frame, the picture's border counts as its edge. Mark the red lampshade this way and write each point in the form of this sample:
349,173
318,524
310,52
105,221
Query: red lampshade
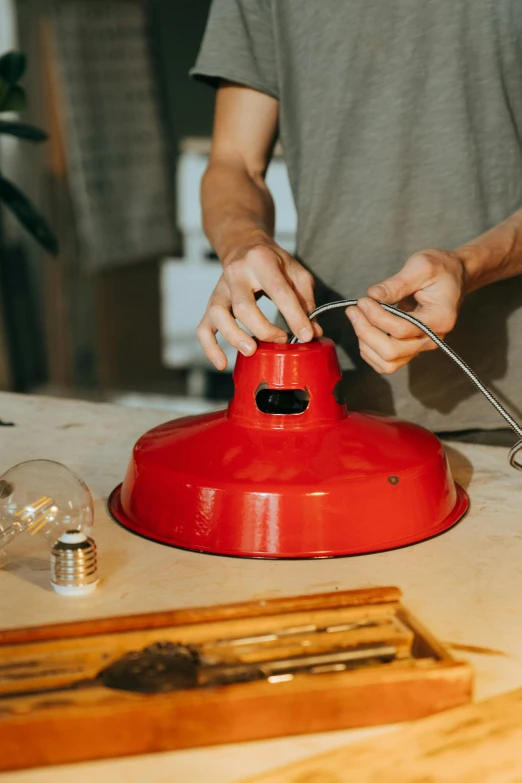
287,471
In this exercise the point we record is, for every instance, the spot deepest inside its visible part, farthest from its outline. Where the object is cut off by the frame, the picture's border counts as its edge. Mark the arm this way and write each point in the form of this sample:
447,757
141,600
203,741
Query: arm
432,285
238,218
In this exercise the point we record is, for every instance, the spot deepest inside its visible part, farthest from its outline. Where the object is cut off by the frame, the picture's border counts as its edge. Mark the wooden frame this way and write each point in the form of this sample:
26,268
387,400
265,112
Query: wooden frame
48,717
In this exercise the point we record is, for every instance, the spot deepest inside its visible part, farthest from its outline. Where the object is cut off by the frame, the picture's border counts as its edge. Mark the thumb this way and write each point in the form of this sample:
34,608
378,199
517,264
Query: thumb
408,281
390,291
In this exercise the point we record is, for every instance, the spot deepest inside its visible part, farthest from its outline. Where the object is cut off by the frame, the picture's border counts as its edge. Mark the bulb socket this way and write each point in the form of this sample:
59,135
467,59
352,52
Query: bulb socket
74,566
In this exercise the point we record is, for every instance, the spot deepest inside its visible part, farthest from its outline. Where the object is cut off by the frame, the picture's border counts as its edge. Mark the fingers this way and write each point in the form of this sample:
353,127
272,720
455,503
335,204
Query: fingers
241,281
261,269
223,321
318,330
433,281
282,279
388,322
431,286
440,316
384,352
377,363
246,310
277,287
218,318
417,273
303,284
207,338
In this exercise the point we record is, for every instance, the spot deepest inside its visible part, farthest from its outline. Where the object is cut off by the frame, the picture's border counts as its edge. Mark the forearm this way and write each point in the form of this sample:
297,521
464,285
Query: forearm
238,209
494,255
238,218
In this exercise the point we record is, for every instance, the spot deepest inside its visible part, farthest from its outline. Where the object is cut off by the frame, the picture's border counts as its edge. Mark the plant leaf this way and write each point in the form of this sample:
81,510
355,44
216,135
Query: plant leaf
22,131
14,100
28,215
12,66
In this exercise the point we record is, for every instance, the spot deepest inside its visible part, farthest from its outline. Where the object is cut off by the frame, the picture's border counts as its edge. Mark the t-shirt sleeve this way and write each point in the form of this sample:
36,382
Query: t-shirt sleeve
238,46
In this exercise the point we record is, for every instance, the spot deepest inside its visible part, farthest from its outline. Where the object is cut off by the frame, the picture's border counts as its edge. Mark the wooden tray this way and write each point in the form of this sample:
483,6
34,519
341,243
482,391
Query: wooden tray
54,708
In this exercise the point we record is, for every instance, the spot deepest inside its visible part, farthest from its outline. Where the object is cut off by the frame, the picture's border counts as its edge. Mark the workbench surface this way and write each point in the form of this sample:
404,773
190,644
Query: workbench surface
465,585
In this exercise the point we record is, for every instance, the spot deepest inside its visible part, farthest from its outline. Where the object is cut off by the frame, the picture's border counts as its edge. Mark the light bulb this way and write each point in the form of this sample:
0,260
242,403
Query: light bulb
42,497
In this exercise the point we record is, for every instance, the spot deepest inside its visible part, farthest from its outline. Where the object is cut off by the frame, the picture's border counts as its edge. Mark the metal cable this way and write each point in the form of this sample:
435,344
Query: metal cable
447,350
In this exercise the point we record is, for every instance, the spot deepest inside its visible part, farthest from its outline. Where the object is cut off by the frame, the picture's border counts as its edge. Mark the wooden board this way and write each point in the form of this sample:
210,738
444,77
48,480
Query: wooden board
479,743
61,686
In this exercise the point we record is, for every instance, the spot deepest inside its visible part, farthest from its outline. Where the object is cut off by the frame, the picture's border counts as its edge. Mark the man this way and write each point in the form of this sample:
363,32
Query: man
401,123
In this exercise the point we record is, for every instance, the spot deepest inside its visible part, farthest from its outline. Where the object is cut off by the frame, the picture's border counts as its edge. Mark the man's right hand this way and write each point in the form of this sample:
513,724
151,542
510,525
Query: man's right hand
238,218
261,267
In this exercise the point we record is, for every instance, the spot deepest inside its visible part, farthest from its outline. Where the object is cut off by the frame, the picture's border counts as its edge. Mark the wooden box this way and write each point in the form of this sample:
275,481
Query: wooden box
58,705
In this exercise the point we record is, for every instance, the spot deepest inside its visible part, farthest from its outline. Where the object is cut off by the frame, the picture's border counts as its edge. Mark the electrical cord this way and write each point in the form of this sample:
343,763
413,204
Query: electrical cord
447,350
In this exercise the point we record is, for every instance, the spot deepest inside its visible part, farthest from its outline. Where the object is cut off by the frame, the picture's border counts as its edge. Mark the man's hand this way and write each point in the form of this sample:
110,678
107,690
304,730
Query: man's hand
431,286
238,217
260,267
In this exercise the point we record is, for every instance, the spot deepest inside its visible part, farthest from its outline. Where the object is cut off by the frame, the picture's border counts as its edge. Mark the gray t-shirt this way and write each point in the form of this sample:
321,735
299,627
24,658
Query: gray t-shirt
401,123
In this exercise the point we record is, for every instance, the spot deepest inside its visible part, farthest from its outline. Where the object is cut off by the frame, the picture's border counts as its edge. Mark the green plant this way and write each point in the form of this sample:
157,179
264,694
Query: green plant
13,98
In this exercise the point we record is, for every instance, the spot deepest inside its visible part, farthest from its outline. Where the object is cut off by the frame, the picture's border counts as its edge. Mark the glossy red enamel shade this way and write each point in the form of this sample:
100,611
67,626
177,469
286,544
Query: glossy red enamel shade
318,483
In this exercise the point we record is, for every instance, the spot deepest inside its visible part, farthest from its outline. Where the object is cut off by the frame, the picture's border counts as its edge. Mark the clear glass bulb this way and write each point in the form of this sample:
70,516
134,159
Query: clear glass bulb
42,497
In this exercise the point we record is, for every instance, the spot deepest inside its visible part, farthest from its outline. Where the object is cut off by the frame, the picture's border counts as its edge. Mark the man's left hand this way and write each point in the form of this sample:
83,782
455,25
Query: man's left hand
431,286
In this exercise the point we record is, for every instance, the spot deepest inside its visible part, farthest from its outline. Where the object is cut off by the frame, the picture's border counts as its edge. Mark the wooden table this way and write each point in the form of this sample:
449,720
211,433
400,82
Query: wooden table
466,585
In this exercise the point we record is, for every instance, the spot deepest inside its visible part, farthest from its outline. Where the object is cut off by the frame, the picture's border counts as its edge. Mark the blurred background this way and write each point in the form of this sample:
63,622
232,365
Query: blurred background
112,316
